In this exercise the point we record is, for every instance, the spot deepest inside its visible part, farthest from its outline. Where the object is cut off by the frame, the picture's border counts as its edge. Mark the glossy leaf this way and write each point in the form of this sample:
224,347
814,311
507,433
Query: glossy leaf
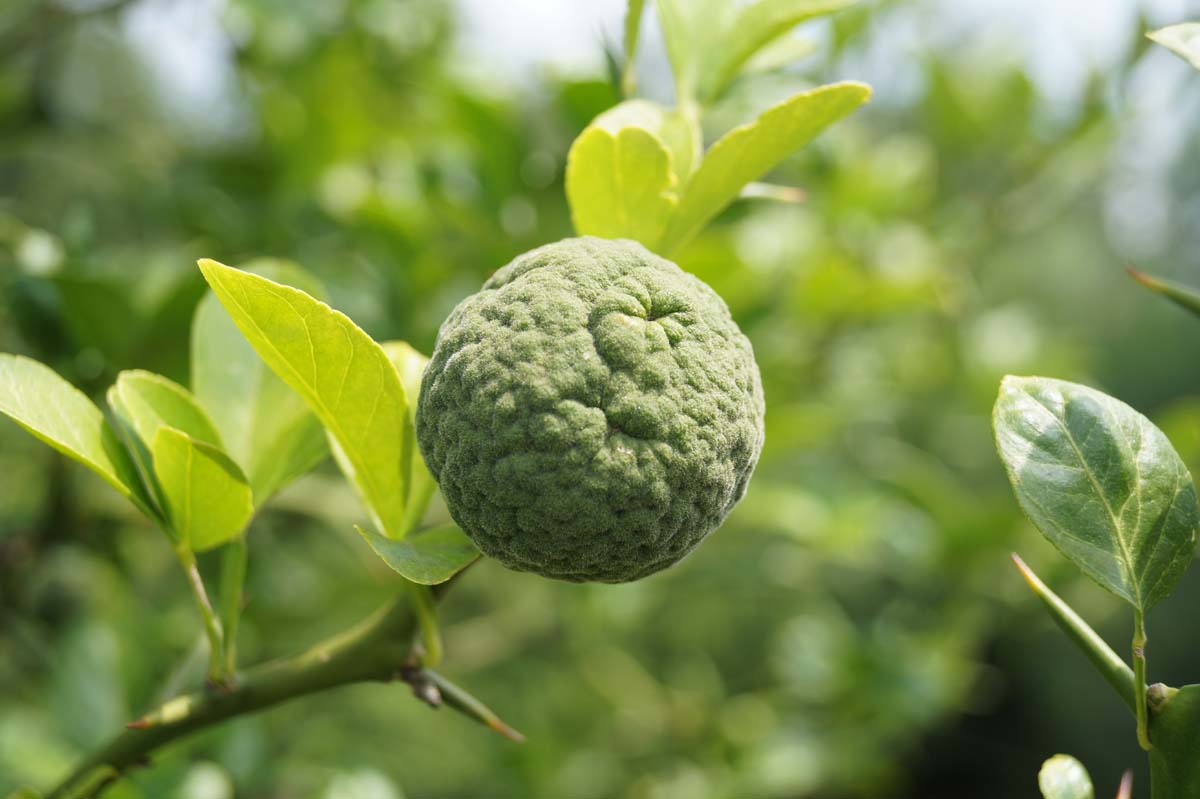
266,427
754,26
429,557
1101,482
207,497
148,401
410,365
620,185
1183,39
748,152
343,375
1064,777
39,400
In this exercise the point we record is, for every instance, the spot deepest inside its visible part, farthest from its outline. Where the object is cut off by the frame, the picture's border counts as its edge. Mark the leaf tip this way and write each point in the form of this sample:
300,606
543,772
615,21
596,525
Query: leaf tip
1149,281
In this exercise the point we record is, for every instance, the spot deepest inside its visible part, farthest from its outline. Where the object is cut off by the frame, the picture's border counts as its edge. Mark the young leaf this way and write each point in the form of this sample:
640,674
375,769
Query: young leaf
147,401
691,32
343,375
753,27
676,130
410,365
1101,482
208,499
747,152
1183,39
36,398
267,428
620,185
429,557
633,25
1064,777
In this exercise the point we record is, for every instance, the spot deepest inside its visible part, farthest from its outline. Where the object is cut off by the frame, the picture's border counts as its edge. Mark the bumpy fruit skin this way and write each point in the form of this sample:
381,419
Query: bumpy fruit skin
592,413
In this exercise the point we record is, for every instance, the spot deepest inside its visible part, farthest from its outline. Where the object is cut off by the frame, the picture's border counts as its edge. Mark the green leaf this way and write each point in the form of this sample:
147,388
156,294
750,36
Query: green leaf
36,398
429,557
633,25
147,401
410,365
1101,482
747,152
1183,39
675,130
753,27
267,428
344,376
1064,777
692,32
620,185
207,497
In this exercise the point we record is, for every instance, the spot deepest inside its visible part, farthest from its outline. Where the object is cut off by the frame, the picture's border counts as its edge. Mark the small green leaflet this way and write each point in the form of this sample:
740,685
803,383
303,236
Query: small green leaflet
36,398
343,375
1183,39
1064,777
147,401
267,428
207,497
428,557
1101,482
749,151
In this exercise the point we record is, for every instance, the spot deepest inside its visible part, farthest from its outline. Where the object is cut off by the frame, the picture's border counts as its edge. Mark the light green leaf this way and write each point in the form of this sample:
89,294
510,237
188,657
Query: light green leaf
1101,482
620,185
1183,39
344,376
747,152
36,398
147,401
267,428
410,365
692,32
1064,777
633,25
429,557
754,26
677,131
207,497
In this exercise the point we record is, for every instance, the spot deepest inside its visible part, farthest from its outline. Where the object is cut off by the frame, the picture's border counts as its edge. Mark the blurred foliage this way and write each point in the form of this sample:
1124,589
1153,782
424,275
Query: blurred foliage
854,630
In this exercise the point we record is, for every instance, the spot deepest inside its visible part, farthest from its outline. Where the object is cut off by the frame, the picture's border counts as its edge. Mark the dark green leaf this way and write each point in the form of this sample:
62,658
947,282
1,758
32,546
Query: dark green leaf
1101,482
429,557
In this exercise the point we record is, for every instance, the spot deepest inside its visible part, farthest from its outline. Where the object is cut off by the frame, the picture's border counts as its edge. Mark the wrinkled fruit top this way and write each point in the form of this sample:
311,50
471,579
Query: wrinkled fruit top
592,413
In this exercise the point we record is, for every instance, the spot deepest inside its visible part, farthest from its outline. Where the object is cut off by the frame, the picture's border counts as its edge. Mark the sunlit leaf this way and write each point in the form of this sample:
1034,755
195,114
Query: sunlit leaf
410,364
620,185
429,557
36,398
266,427
1064,777
1183,39
208,499
754,26
1101,482
747,152
343,375
148,401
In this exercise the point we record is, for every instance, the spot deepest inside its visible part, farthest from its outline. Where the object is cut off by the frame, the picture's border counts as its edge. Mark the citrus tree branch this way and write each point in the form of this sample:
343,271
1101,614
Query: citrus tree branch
377,649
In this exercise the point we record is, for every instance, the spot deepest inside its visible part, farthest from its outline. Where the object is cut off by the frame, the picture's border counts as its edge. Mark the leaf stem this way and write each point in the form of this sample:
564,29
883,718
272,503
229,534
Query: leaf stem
233,575
1139,679
212,625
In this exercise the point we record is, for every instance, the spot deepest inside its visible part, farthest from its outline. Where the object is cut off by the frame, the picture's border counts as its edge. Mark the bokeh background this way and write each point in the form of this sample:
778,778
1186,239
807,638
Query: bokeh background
855,629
